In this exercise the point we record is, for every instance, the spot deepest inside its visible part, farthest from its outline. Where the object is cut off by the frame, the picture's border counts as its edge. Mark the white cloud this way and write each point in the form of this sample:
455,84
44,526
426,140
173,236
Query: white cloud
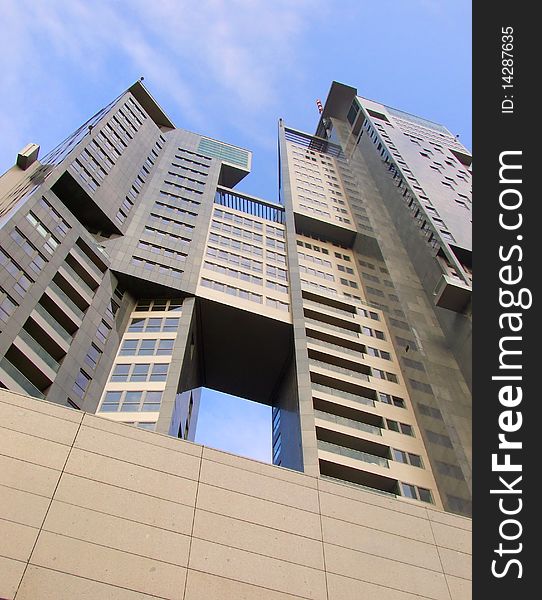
219,62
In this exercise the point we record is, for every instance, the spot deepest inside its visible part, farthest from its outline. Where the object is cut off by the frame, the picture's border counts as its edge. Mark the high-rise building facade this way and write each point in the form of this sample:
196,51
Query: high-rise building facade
134,274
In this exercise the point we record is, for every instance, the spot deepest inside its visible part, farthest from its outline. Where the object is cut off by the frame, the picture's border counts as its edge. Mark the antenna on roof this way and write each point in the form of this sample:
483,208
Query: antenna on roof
320,107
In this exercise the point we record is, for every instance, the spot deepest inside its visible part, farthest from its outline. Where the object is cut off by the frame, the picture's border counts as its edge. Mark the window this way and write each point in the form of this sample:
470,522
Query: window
407,458
152,401
420,386
93,356
111,402
120,373
398,427
449,470
81,384
415,492
437,438
102,332
51,243
393,400
139,372
153,324
38,260
159,372
429,411
7,306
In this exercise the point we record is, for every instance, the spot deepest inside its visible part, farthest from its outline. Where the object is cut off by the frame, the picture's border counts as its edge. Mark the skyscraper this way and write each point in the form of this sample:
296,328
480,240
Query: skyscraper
133,274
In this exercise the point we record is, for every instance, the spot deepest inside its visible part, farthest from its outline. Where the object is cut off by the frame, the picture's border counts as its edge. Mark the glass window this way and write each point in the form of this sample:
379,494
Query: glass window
143,306
399,402
415,460
152,401
165,347
120,373
140,372
147,347
81,384
425,495
409,491
407,429
136,325
159,372
170,324
103,331
399,456
131,402
153,324
93,356
128,348
111,402
393,425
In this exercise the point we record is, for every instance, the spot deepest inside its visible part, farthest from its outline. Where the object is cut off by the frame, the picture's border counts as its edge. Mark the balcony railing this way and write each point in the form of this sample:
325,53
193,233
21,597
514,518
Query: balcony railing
20,379
320,414
341,394
41,352
53,323
358,486
342,330
357,353
89,265
333,309
336,369
83,284
68,301
356,454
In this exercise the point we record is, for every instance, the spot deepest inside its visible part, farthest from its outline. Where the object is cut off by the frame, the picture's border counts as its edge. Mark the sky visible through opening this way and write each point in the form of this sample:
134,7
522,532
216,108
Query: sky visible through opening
229,69
235,425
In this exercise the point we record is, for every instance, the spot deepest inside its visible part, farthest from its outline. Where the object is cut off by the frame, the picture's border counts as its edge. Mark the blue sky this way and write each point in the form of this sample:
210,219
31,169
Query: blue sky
229,68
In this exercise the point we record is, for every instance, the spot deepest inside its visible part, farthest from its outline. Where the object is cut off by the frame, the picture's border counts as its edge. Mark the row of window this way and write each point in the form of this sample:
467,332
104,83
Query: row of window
147,347
228,271
152,266
191,161
158,305
22,280
378,353
178,200
131,401
244,294
51,242
179,186
7,305
239,220
170,237
37,260
175,210
139,182
153,324
187,181
61,226
166,222
167,252
235,259
185,167
233,230
316,272
313,247
139,372
384,375
314,259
